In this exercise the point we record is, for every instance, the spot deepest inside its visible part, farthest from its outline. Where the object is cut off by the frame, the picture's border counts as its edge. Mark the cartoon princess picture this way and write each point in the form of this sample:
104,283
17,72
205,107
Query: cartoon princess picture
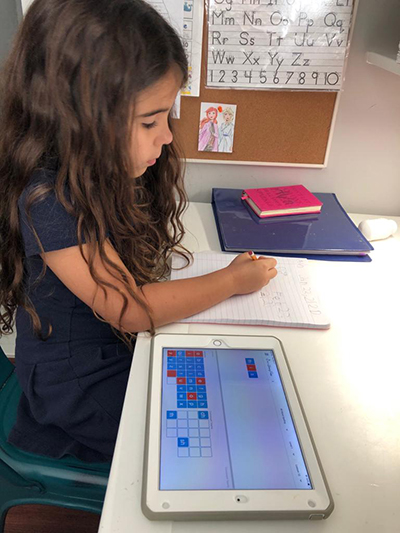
226,130
208,135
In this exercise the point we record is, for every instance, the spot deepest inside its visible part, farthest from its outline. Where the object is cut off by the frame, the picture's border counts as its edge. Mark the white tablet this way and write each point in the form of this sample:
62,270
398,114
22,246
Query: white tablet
226,435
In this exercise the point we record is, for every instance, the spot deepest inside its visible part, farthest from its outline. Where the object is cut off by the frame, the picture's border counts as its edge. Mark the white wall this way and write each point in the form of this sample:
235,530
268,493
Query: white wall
364,163
8,25
24,4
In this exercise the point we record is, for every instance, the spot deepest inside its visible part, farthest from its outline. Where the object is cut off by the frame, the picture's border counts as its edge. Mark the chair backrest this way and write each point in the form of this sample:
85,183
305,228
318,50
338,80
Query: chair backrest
9,396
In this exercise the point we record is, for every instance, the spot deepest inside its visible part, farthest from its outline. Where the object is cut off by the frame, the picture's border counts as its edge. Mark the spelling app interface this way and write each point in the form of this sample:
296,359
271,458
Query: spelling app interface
226,423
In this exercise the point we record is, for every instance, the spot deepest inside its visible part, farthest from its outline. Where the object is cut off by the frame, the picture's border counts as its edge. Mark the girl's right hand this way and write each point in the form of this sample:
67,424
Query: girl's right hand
248,275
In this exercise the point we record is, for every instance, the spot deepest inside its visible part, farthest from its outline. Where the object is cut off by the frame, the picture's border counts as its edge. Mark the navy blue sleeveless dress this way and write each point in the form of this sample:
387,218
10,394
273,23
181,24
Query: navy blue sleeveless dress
74,382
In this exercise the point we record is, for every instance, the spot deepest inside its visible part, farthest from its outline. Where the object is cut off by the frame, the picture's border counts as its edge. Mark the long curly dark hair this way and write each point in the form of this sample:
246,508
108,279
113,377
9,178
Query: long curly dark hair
68,93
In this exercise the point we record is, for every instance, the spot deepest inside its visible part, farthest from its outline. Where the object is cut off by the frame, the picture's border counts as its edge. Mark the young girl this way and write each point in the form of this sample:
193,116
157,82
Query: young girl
208,135
91,195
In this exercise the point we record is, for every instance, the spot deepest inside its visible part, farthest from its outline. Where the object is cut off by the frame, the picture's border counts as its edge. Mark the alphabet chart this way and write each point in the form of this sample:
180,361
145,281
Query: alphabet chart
193,11
171,10
186,16
279,44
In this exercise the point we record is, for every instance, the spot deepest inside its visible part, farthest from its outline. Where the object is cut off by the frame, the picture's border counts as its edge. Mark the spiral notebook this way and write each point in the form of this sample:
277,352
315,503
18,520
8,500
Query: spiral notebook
289,300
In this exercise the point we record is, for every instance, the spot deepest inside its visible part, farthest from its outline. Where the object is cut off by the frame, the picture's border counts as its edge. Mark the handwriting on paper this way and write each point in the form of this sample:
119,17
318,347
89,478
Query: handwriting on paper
288,299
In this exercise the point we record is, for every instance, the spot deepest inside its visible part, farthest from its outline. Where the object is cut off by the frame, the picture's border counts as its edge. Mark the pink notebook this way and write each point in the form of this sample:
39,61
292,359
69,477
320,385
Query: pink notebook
280,201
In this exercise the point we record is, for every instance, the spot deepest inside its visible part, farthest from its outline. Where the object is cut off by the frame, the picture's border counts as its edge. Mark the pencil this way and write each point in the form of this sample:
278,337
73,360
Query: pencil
252,255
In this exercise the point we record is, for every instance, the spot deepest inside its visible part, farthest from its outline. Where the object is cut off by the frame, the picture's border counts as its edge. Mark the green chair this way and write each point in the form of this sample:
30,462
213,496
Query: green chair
27,478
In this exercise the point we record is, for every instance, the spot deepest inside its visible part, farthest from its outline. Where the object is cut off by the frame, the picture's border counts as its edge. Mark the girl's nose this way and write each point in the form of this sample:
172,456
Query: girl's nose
168,136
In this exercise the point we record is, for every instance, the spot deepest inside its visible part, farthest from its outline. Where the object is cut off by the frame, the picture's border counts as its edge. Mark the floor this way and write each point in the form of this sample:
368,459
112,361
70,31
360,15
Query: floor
47,519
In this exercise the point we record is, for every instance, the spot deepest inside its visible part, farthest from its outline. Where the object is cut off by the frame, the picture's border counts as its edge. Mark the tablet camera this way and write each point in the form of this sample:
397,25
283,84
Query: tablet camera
241,499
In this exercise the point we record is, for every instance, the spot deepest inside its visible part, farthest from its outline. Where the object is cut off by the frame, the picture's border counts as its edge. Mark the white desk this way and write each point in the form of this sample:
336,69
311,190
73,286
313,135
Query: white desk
348,379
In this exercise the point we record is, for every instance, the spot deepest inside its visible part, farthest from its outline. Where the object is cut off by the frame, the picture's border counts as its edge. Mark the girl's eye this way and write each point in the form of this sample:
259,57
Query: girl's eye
149,126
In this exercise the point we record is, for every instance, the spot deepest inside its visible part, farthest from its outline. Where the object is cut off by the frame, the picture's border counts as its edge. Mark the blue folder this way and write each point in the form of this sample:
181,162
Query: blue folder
329,235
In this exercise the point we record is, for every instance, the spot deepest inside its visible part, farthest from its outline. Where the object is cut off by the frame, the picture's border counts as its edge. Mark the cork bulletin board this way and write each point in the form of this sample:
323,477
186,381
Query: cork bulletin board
289,127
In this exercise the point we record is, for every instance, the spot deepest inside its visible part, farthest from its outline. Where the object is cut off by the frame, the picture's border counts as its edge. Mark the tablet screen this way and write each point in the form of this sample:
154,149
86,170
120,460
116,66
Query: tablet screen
226,423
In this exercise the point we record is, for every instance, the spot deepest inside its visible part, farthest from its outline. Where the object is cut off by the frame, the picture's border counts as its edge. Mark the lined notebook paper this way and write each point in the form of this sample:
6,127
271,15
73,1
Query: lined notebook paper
288,300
